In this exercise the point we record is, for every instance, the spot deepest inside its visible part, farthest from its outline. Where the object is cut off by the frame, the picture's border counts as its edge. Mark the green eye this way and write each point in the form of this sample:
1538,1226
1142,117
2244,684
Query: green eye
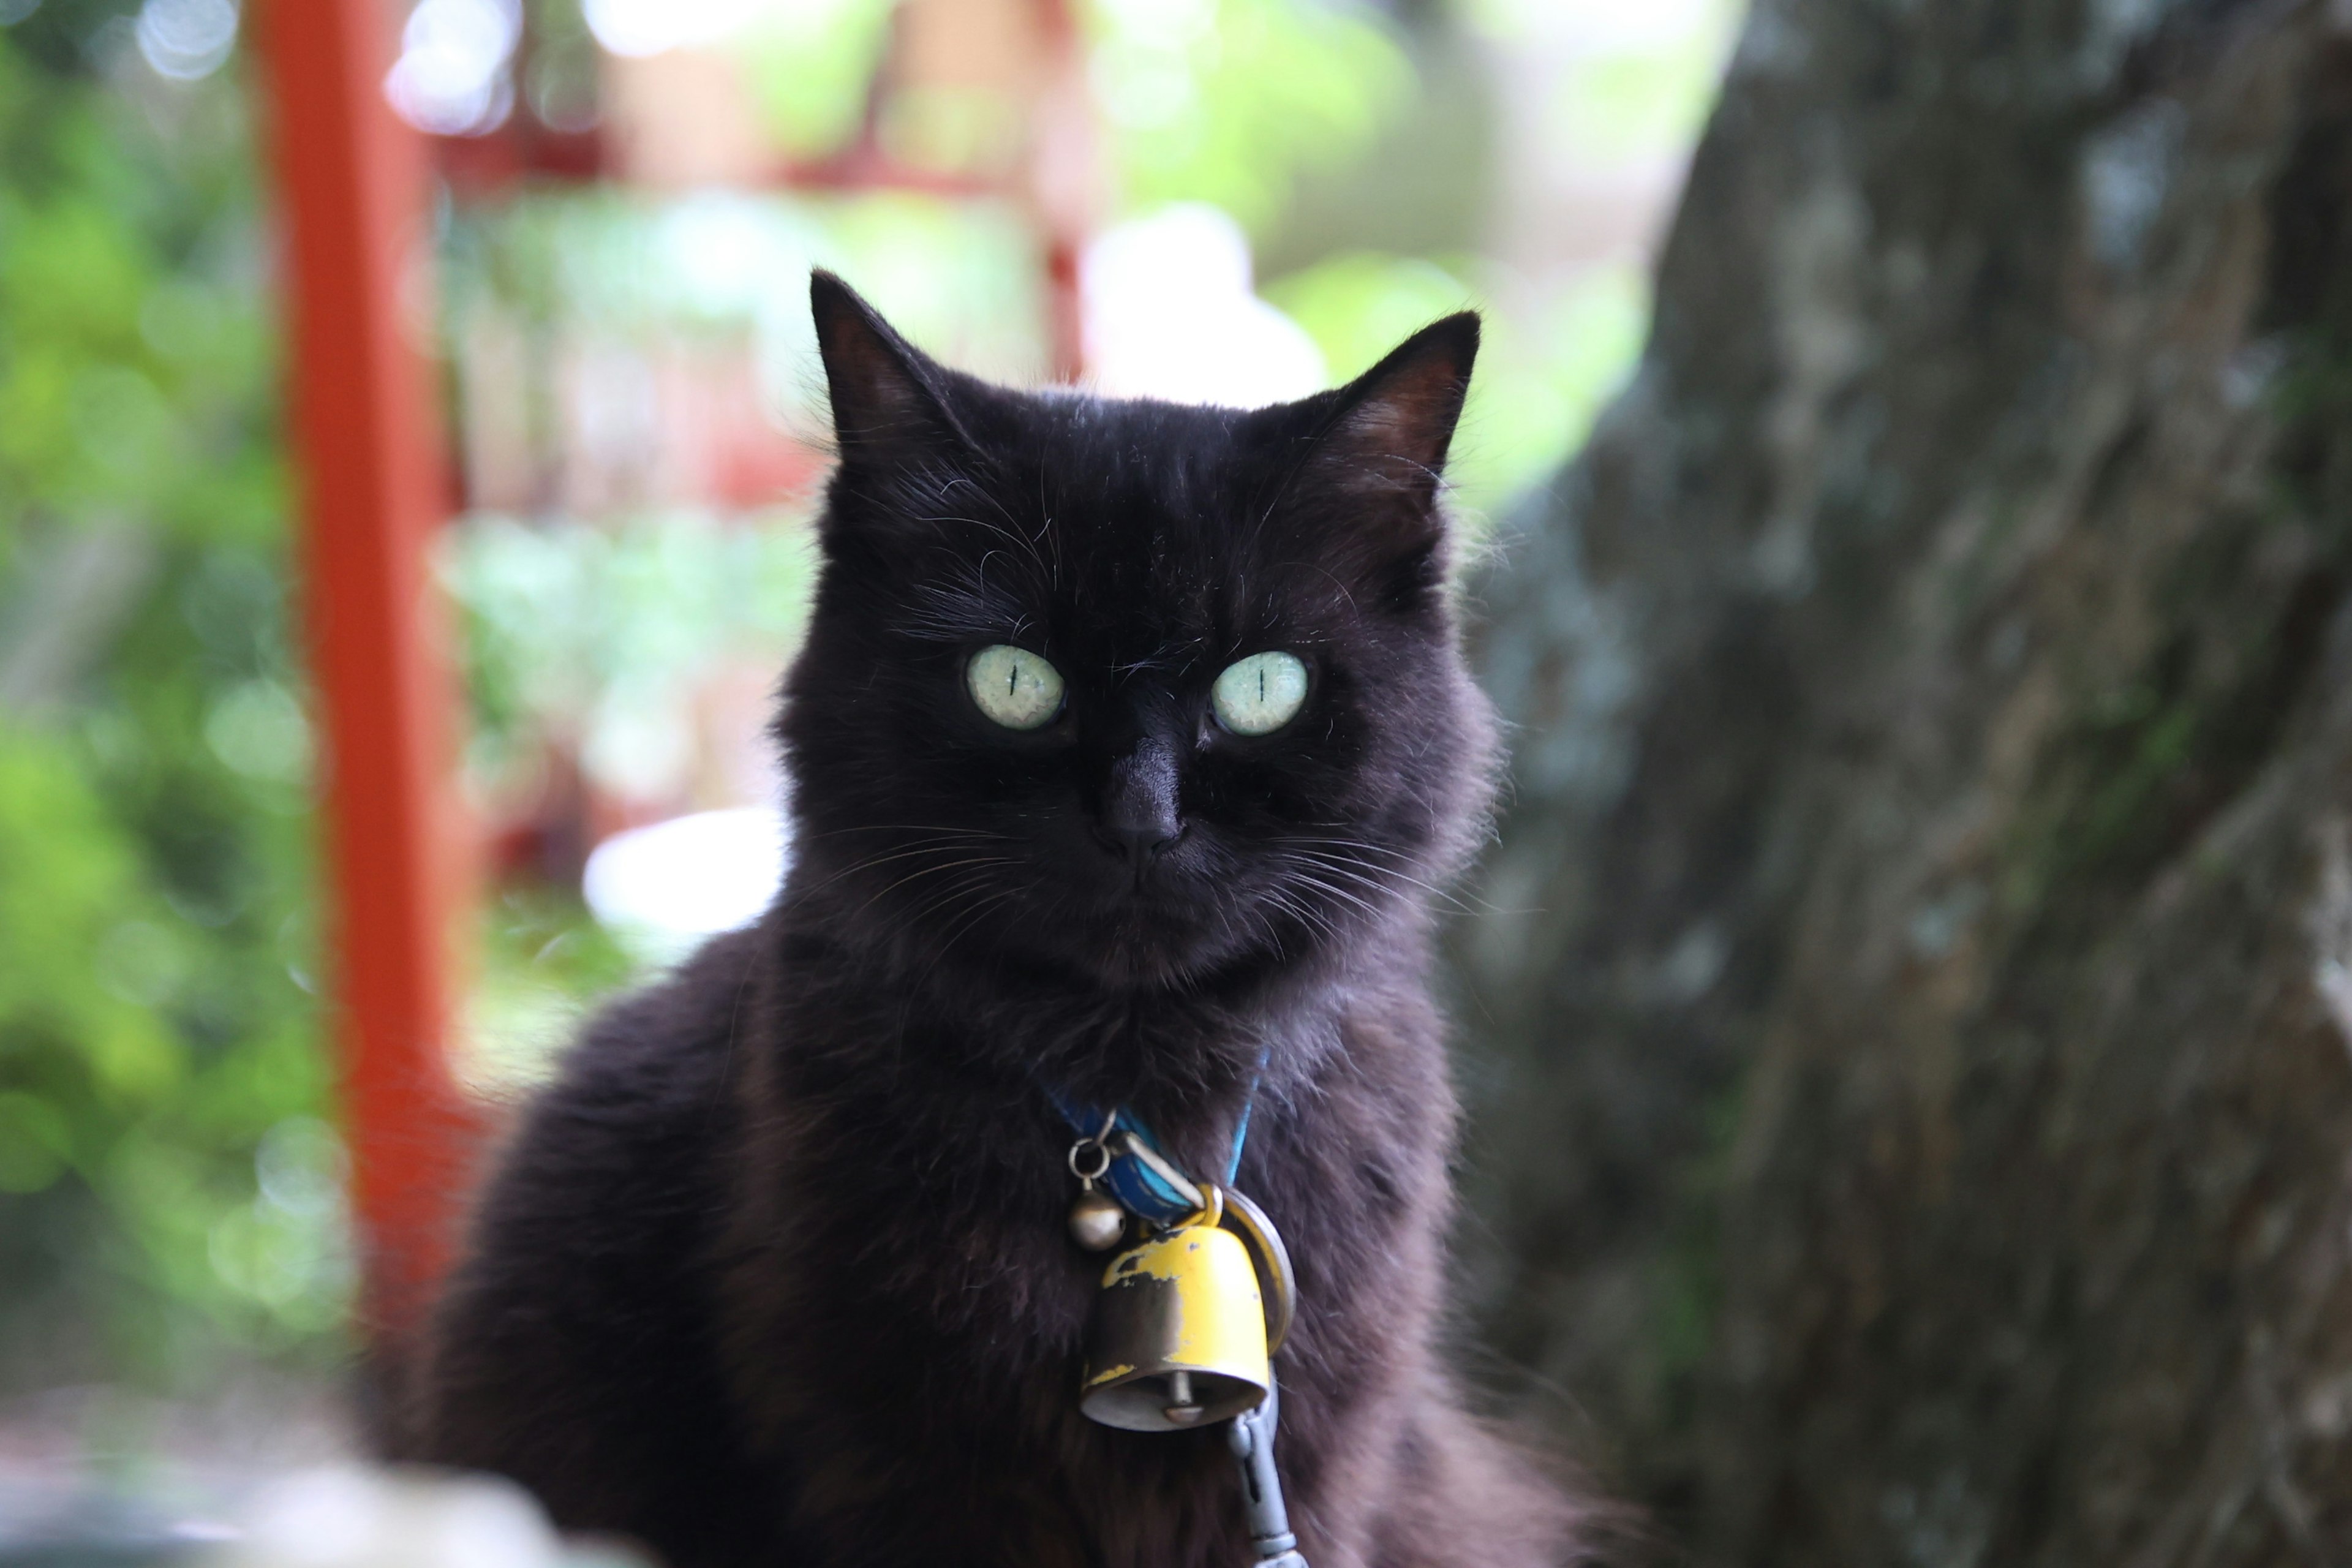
1014,687
1260,694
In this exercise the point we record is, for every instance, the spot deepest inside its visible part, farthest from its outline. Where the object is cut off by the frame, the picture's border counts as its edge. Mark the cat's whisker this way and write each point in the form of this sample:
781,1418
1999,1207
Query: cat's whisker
918,875
908,827
932,840
860,867
871,862
1307,914
929,871
1372,876
1297,912
1302,878
957,889
1352,848
1389,890
977,912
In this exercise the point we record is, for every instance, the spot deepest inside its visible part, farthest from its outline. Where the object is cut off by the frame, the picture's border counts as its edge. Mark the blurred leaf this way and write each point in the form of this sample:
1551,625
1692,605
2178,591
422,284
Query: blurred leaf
600,634
154,845
1226,101
809,65
544,962
1545,371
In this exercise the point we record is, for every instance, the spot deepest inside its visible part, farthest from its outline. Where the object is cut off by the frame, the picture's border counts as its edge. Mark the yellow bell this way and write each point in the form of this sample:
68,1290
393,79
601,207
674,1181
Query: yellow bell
1179,1332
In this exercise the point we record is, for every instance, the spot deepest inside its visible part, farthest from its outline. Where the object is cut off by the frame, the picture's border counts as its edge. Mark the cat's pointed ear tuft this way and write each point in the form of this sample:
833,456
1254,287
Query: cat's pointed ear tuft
1394,422
889,398
1375,460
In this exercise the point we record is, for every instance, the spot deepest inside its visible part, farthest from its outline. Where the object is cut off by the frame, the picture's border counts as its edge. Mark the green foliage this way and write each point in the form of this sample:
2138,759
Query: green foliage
809,65
85,1039
544,961
1641,87
1625,106
167,1189
1543,375
605,267
135,352
1227,101
602,632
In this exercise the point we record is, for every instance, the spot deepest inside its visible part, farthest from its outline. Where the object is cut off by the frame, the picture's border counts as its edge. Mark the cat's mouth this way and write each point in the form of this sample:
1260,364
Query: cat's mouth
1173,919
1191,903
1150,903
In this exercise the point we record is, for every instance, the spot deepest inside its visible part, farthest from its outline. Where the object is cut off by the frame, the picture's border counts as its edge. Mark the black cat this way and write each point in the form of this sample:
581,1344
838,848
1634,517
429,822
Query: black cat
1126,746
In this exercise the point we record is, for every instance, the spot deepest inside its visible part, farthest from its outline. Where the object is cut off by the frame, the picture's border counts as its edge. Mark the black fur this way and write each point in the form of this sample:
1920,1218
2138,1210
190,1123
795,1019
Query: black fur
777,1272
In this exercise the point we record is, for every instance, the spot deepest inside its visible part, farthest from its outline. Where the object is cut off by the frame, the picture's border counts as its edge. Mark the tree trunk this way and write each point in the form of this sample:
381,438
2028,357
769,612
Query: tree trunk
1908,1012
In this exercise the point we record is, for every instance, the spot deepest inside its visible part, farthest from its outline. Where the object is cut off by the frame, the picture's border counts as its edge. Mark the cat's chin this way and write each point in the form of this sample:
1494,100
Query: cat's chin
1146,944
1138,970
1141,948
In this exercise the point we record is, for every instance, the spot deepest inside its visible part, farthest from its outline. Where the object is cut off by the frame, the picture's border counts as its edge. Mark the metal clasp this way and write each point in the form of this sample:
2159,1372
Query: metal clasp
1251,1438
1090,1171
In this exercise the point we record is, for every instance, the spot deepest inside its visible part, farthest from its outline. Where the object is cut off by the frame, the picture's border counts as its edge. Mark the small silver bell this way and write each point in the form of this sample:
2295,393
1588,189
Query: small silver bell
1096,1221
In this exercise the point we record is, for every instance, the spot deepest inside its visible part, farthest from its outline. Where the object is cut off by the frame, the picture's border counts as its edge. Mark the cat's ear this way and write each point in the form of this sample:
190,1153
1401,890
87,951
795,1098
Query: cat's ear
1375,458
890,401
1389,429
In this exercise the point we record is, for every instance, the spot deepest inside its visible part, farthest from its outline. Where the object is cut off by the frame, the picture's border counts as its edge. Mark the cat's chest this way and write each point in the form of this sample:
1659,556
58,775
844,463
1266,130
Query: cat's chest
967,1235
922,1174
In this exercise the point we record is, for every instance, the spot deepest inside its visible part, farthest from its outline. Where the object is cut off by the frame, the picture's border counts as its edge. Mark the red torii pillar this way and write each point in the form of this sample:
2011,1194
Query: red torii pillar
352,202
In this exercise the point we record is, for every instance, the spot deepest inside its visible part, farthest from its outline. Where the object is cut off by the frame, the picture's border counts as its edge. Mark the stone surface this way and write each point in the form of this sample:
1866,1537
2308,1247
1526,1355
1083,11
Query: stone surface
1908,1003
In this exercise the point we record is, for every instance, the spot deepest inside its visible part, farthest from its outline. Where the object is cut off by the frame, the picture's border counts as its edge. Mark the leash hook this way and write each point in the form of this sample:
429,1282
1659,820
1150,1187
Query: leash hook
1251,1438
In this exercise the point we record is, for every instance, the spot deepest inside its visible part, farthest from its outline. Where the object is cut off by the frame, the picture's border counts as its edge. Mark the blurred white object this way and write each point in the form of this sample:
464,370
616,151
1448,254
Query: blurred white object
350,1518
186,40
1169,312
637,28
667,886
451,79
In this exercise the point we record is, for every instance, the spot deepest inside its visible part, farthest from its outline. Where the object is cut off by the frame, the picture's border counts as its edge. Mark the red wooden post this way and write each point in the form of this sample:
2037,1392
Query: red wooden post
351,194
1063,180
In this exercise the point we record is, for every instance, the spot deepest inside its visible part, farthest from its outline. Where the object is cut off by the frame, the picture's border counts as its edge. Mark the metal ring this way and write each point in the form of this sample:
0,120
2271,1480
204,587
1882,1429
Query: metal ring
1276,1283
1098,1173
1212,1206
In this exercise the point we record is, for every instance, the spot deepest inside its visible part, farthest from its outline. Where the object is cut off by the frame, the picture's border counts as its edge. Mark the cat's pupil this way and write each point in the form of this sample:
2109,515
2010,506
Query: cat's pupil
1261,693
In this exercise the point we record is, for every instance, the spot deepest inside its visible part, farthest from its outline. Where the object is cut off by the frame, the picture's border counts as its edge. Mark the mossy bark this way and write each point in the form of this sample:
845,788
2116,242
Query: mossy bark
1908,1011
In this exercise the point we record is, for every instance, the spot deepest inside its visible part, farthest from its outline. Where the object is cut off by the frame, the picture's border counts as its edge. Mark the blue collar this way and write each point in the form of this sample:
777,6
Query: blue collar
1146,1182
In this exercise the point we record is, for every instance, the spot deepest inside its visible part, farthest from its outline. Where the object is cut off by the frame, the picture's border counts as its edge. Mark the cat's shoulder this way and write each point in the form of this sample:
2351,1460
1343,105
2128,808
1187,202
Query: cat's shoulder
649,1081
680,1029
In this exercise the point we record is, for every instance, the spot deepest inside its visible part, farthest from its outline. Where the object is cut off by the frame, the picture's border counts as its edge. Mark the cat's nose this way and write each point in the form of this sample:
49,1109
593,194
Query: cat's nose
1139,816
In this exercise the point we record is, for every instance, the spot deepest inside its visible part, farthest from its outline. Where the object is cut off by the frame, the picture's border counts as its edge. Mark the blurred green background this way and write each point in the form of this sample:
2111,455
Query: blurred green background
171,1227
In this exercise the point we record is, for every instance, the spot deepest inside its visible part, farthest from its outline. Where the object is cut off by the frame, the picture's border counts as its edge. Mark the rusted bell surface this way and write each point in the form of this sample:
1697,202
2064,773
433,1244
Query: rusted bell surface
1179,1335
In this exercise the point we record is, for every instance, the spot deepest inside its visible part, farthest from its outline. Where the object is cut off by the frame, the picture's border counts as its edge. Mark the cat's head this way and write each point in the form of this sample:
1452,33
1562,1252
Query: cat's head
1133,691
